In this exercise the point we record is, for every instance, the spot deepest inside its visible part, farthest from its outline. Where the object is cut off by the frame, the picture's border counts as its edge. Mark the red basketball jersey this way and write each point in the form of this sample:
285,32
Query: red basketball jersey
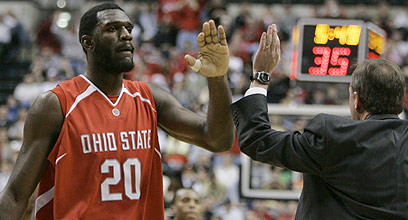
106,163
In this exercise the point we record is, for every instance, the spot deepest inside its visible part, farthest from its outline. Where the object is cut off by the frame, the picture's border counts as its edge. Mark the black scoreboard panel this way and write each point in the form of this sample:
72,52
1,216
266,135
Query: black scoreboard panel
325,49
329,56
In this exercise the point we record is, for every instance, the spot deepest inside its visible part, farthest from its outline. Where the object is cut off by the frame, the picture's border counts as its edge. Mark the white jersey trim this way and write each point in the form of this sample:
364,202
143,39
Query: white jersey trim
44,199
79,98
59,158
157,151
103,94
137,94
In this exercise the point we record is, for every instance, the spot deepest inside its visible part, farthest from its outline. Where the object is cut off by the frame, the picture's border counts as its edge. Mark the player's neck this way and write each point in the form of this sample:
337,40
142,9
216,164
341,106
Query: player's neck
110,84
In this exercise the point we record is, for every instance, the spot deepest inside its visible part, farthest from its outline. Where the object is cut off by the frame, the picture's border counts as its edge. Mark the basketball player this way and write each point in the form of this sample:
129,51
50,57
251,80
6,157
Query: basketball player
92,141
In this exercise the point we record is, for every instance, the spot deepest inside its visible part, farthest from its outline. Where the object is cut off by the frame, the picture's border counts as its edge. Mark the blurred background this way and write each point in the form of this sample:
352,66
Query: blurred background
39,48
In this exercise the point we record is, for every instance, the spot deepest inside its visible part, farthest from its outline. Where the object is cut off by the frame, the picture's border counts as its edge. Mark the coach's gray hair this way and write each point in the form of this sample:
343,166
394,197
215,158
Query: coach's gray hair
380,85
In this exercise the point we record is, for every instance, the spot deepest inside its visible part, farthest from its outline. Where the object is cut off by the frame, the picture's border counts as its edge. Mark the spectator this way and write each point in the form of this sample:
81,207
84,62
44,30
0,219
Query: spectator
45,37
13,106
5,37
227,174
166,35
401,19
286,24
384,18
332,9
216,10
15,132
397,47
169,8
28,90
148,21
16,37
186,205
68,39
229,211
189,24
4,121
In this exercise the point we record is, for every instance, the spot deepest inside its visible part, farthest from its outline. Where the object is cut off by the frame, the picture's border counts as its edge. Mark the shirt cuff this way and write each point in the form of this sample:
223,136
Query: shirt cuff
255,90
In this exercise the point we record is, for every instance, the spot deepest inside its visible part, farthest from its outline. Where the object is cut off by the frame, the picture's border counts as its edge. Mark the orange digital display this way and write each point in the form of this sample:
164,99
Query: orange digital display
376,44
332,57
347,35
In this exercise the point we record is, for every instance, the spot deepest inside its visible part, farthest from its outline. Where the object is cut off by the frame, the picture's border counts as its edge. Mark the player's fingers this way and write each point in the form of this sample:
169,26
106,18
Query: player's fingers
190,60
213,30
201,40
223,36
207,33
195,64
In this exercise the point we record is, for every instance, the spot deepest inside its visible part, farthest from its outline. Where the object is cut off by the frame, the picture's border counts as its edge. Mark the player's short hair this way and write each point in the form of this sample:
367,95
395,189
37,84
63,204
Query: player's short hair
90,20
380,85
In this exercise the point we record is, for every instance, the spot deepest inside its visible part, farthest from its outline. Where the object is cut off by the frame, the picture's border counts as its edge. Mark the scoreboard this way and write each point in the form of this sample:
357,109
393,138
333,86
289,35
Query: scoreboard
325,49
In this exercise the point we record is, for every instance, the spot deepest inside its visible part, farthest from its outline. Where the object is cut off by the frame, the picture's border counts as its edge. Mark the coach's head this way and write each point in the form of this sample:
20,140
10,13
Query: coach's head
377,87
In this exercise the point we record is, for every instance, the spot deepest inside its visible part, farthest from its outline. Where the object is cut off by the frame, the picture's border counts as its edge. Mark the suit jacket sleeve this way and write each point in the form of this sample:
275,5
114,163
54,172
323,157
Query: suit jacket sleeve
291,149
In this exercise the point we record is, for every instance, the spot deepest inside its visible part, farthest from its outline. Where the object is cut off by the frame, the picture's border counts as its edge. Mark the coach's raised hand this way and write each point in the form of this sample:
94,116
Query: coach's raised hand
267,56
213,57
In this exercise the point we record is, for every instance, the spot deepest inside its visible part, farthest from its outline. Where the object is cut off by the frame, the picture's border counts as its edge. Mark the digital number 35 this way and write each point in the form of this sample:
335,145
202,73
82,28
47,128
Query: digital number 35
332,56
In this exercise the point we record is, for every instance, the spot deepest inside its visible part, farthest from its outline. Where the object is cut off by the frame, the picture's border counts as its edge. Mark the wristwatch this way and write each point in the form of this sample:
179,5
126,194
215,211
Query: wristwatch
262,77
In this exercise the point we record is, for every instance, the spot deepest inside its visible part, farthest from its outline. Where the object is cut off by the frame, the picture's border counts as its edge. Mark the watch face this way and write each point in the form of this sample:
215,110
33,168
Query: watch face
264,77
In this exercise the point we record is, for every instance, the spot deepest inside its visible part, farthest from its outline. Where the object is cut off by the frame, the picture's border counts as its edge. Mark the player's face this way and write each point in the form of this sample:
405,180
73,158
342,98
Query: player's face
187,205
113,41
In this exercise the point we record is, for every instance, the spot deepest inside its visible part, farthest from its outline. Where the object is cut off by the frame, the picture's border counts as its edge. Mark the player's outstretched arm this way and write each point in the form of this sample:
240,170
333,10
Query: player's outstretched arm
215,132
41,130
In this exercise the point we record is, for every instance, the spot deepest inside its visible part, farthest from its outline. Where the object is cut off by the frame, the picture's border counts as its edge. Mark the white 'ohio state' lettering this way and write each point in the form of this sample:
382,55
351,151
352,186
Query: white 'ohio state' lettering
104,142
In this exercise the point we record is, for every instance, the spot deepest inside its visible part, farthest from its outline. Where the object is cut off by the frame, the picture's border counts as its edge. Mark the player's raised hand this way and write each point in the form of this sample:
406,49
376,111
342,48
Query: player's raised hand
267,56
213,57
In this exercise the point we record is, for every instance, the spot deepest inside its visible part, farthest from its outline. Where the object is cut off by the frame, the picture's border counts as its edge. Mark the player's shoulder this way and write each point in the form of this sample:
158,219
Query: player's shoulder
137,86
134,83
77,83
74,80
47,102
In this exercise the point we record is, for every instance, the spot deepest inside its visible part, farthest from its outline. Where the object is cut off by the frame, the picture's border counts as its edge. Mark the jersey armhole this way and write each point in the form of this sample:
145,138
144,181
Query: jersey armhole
148,90
144,88
62,99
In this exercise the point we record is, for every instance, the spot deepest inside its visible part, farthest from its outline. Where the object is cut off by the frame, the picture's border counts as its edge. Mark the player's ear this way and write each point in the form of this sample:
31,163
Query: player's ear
87,42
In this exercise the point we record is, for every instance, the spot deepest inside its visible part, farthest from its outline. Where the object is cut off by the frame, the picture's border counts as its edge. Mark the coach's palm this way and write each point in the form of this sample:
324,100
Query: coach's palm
267,56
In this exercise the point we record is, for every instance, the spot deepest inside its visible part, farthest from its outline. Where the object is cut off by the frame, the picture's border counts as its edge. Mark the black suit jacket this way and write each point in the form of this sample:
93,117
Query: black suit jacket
352,169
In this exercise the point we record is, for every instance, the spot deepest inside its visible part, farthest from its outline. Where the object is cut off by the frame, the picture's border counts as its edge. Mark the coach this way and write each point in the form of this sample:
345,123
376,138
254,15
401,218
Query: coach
353,169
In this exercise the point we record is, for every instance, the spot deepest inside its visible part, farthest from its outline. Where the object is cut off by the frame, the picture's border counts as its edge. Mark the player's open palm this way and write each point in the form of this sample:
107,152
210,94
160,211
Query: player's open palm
213,57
